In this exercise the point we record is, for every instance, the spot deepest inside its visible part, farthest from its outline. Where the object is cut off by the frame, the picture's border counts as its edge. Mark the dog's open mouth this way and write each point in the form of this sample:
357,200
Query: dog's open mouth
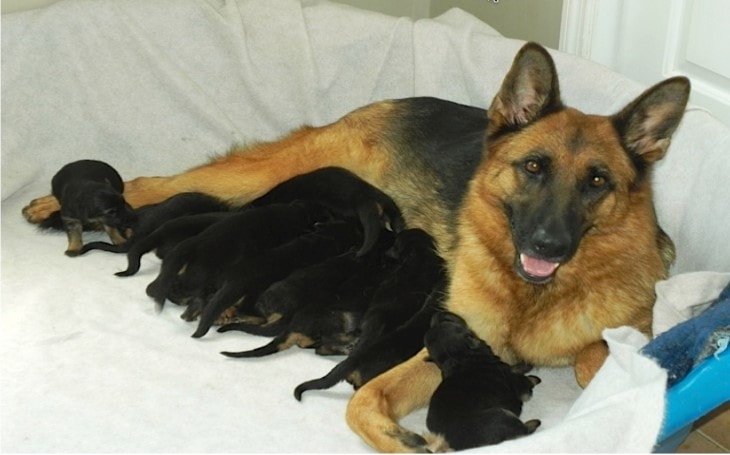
535,270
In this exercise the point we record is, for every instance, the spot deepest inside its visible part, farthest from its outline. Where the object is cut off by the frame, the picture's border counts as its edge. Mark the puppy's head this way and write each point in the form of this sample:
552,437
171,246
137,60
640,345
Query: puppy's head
449,341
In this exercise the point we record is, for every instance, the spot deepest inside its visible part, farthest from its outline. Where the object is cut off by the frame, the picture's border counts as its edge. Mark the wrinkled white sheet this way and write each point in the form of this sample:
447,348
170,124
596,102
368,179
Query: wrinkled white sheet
154,87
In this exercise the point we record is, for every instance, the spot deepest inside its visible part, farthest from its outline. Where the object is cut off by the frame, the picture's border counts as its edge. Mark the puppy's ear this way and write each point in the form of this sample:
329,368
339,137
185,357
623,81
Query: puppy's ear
529,91
646,125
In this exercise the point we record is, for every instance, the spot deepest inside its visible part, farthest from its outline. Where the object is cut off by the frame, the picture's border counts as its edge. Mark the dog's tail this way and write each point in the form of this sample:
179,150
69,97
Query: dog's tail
268,330
339,373
104,246
184,227
226,296
169,272
280,343
371,216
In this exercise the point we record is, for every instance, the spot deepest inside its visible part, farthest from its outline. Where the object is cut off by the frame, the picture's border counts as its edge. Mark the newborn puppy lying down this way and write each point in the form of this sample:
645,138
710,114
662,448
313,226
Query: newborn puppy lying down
480,397
90,194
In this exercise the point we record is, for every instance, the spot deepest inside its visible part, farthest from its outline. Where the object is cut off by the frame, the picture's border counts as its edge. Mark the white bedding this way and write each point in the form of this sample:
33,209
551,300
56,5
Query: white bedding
156,86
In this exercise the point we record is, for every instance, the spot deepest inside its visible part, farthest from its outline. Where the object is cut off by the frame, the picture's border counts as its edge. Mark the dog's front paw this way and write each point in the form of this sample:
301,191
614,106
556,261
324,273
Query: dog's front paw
410,441
40,209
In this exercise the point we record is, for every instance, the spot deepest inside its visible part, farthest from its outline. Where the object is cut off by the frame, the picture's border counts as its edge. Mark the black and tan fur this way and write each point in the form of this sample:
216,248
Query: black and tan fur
478,181
479,400
90,194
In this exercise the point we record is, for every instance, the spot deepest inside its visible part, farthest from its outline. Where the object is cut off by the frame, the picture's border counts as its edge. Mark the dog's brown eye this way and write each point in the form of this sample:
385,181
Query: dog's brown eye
533,166
598,181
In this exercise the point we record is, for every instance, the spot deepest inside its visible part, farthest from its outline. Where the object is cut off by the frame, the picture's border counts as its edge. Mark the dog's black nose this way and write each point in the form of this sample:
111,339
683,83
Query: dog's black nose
551,242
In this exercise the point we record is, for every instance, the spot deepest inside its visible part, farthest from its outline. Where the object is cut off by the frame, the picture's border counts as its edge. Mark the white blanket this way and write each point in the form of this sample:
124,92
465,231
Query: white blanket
157,86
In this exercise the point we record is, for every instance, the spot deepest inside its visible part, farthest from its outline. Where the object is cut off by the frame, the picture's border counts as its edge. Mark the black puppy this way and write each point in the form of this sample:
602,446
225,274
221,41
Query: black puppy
252,274
328,330
166,237
404,291
345,194
200,261
90,194
480,398
150,217
319,282
382,354
352,294
329,324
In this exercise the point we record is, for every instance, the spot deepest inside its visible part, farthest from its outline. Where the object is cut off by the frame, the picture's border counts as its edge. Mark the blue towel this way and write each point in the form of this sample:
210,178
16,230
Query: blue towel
687,344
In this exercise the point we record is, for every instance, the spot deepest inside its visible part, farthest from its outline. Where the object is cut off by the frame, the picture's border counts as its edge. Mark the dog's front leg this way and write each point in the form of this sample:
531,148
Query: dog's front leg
375,408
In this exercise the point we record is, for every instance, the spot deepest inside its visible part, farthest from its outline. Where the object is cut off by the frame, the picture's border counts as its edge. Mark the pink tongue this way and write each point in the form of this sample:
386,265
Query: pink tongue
538,267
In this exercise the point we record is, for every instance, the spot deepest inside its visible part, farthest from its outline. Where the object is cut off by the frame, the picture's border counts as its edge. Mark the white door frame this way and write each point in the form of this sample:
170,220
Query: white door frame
646,40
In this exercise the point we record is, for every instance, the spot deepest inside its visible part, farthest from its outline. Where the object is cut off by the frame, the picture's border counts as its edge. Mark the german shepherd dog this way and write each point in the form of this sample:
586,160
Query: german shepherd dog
543,213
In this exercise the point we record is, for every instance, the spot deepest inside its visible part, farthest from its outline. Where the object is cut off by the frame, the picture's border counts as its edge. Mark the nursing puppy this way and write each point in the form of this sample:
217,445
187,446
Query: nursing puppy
352,295
480,397
200,261
328,329
346,194
152,216
403,293
319,282
244,281
383,353
90,194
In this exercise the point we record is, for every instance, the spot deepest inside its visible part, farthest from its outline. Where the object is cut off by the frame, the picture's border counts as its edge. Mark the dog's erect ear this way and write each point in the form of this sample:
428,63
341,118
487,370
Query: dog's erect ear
646,125
529,91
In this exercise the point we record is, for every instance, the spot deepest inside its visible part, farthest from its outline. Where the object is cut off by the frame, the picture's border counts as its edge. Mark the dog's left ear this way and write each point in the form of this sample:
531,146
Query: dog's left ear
529,91
646,125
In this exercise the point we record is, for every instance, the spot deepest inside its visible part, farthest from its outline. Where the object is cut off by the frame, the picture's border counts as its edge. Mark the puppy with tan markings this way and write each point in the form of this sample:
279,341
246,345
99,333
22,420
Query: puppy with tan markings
383,353
480,397
152,216
244,281
196,261
90,194
320,281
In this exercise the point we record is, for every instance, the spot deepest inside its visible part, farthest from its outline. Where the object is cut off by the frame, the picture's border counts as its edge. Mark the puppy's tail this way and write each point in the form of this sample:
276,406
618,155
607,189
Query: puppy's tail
184,227
169,272
224,297
104,246
267,330
371,216
339,373
279,343
139,249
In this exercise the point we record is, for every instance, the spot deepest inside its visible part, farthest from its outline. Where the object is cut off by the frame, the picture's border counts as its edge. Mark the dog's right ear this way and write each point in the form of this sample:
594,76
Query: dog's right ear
529,91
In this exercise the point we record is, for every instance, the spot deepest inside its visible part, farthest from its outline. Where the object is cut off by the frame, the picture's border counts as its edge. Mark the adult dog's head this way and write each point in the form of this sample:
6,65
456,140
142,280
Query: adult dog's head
558,175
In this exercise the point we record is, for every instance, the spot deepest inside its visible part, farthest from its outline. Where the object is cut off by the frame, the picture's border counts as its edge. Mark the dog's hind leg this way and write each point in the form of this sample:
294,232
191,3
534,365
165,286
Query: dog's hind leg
375,408
353,143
